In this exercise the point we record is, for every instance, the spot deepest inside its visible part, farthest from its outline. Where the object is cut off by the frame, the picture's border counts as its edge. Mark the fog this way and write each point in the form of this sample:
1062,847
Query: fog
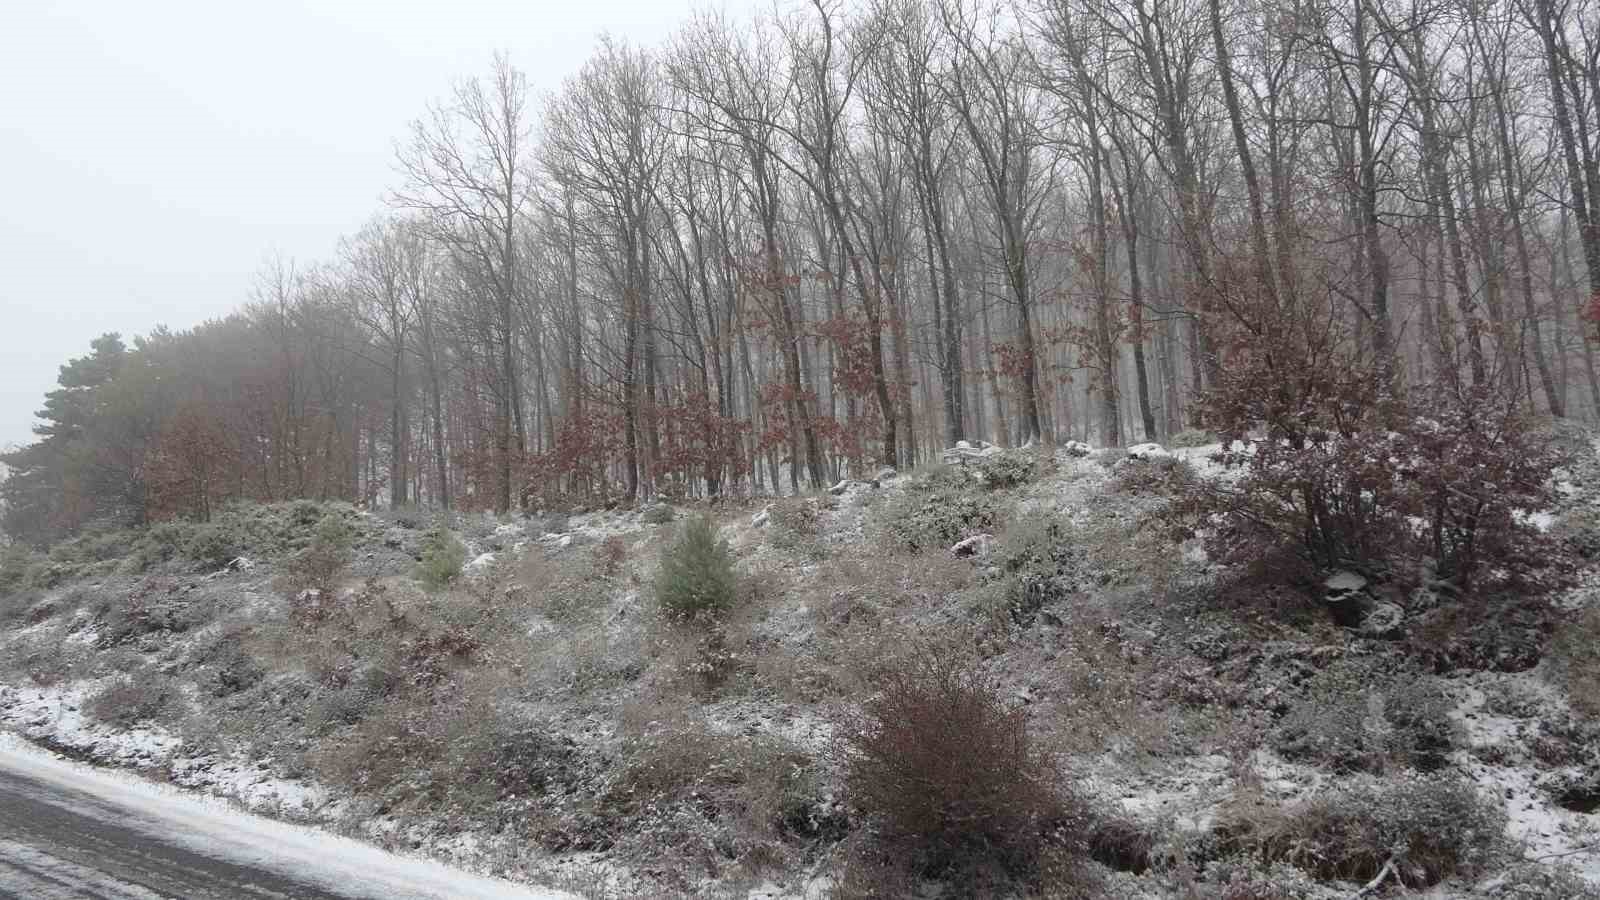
155,154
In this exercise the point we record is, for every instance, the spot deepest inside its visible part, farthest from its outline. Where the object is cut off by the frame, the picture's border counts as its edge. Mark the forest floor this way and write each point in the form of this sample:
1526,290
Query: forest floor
541,720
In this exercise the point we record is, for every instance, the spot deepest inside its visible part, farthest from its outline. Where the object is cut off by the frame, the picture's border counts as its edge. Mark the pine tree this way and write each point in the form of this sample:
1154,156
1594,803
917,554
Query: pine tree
696,578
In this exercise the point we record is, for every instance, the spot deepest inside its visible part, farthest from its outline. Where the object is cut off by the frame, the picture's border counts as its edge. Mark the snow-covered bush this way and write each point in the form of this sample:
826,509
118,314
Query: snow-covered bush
1428,828
946,768
696,577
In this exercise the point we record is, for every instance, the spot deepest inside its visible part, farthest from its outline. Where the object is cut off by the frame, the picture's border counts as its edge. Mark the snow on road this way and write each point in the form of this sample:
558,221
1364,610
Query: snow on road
212,829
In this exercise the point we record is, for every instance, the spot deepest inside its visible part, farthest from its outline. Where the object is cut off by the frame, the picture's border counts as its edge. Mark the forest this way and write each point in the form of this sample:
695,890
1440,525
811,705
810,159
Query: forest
775,251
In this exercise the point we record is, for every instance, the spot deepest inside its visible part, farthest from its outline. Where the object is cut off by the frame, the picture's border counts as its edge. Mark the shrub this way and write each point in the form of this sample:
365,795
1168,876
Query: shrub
696,577
318,565
1345,725
1429,828
16,568
442,559
128,700
1192,437
796,524
936,515
1575,660
213,544
1348,473
1009,469
658,514
946,768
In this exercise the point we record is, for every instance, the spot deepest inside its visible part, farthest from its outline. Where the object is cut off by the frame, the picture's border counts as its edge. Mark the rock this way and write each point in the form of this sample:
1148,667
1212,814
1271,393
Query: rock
975,546
241,564
479,565
887,473
965,450
1345,593
840,488
1147,451
1384,621
762,517
1077,449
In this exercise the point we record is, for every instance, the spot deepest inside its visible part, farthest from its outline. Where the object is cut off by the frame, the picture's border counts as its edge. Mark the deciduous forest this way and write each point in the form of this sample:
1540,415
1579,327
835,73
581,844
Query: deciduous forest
779,250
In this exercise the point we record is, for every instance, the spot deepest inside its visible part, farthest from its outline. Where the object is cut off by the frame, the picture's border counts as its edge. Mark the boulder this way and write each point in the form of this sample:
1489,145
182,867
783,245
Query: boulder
1384,621
1345,594
1148,451
975,546
887,473
762,517
1077,449
965,450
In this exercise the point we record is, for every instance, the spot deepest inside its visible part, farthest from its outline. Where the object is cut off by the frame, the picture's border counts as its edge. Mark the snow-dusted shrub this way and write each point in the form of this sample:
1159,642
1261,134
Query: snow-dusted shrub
213,544
1428,828
130,700
16,568
1575,660
1158,475
1348,474
1012,468
945,766
934,513
658,514
1347,721
696,578
320,563
442,559
1192,437
795,524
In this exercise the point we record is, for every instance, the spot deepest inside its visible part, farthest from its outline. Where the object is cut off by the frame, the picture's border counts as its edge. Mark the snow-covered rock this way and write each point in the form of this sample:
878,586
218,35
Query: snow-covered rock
887,473
1148,451
762,517
1345,593
479,565
965,450
1077,449
975,546
1383,620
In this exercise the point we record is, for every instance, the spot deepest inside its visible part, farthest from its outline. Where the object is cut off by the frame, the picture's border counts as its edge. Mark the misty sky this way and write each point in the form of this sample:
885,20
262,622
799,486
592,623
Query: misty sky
155,153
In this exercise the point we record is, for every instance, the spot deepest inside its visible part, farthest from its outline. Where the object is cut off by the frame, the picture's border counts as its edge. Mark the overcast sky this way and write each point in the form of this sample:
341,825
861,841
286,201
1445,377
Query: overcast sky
154,153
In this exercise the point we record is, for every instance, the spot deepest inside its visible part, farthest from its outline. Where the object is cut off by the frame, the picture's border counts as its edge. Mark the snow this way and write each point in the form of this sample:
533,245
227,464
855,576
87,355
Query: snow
212,828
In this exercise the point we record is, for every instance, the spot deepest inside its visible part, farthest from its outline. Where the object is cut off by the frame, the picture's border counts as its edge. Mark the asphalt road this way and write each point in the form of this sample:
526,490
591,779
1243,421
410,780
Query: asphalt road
59,844
70,831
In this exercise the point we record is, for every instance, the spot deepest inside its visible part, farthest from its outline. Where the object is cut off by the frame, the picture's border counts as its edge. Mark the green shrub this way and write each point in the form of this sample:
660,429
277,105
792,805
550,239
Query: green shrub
318,565
1192,437
946,769
213,544
1575,660
1010,469
442,559
1429,827
936,514
17,563
696,577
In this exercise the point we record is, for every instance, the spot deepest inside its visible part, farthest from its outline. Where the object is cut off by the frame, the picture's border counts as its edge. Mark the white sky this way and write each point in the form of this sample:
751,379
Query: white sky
153,153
